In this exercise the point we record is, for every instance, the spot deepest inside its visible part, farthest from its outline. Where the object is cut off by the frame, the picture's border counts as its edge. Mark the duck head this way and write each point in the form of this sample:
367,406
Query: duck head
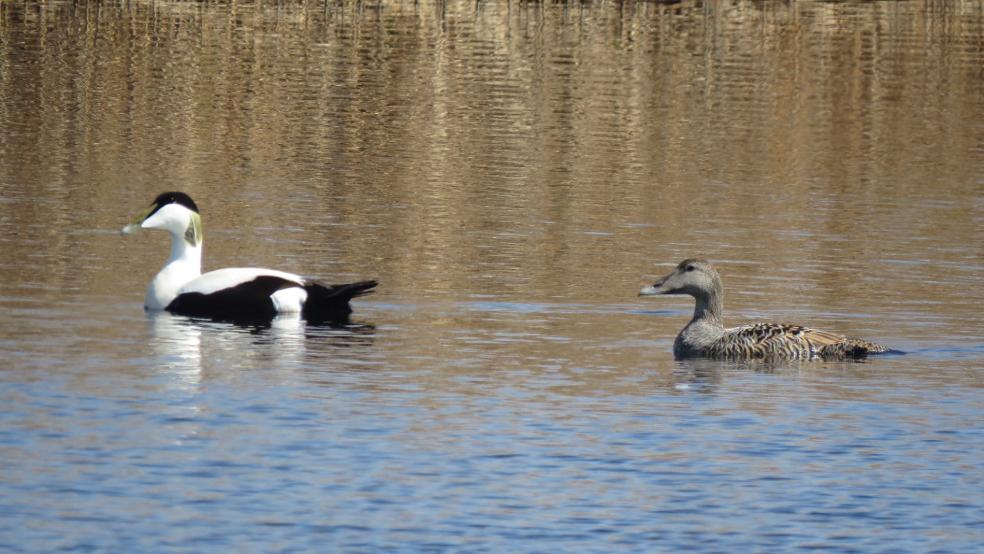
174,212
694,277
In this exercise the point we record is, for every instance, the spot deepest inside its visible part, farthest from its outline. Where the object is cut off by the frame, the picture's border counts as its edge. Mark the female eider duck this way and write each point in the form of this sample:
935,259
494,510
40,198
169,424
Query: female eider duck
706,337
241,294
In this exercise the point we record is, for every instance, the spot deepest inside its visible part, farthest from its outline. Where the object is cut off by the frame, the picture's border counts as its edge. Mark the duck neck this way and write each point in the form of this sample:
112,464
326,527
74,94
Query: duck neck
709,309
706,328
184,264
185,254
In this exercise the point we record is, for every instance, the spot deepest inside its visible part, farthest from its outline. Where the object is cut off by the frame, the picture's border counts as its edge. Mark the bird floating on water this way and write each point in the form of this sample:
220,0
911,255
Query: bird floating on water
706,337
240,294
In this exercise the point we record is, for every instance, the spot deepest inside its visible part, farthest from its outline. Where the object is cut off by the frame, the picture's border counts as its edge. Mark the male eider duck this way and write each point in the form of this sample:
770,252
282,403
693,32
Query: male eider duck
240,294
706,337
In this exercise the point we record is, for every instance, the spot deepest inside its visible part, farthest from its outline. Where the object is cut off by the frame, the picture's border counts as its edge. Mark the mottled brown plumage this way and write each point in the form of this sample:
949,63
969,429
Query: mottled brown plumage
705,335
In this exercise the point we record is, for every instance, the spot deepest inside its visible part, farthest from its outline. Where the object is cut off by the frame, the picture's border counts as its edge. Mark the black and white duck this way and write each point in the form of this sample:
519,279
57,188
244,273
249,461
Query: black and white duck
239,294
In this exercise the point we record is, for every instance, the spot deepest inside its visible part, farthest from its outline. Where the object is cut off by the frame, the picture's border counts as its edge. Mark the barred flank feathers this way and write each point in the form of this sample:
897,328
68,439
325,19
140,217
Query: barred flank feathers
781,341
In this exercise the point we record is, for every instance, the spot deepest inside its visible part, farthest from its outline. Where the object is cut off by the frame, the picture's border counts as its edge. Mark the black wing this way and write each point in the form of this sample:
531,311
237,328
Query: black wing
247,302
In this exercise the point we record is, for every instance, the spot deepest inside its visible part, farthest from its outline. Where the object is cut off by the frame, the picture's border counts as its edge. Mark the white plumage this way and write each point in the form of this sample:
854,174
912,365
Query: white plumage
242,294
219,279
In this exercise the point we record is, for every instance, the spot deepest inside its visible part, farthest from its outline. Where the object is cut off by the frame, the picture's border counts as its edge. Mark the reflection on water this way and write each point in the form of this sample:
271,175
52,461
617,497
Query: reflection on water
287,343
177,346
512,173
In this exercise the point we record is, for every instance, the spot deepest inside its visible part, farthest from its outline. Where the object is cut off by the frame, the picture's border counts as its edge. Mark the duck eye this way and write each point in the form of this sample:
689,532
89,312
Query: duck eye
690,268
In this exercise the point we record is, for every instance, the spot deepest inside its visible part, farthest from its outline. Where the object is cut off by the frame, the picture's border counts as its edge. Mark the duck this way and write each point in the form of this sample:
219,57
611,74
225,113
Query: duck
236,294
706,337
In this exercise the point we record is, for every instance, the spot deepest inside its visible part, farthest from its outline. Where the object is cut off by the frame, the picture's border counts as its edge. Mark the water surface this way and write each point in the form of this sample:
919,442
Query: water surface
512,174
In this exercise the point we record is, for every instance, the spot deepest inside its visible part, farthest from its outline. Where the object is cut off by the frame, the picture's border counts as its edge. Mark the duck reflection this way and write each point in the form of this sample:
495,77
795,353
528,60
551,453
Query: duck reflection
701,374
707,375
190,349
177,346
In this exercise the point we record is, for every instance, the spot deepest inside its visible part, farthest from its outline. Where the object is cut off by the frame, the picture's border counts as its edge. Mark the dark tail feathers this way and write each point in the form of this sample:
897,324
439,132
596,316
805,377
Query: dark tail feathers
330,303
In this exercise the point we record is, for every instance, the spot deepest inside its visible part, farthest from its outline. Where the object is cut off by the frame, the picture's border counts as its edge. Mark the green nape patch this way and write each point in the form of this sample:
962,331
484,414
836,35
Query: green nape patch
193,234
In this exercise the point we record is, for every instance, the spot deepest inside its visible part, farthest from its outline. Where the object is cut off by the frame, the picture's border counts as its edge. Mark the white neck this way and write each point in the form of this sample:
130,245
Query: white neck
184,265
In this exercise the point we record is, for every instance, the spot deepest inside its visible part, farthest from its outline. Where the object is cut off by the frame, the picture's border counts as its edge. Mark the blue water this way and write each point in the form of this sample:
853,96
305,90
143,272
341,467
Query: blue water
183,435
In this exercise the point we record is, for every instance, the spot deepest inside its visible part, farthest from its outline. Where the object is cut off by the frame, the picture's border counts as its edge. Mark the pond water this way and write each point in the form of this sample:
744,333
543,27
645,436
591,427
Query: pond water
512,174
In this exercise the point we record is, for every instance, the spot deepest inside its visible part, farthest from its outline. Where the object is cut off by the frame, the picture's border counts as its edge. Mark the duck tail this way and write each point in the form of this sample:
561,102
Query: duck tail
330,303
854,349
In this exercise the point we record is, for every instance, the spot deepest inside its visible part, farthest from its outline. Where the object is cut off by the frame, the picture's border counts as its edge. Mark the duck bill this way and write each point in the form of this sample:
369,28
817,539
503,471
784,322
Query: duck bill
651,290
134,225
130,228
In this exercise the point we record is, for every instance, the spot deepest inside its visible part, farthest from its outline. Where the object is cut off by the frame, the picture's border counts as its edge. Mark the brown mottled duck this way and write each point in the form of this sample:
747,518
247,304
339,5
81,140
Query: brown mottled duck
706,337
